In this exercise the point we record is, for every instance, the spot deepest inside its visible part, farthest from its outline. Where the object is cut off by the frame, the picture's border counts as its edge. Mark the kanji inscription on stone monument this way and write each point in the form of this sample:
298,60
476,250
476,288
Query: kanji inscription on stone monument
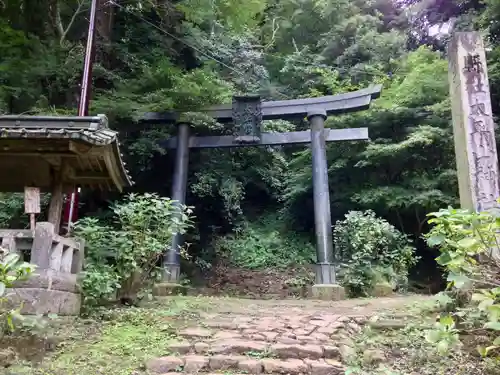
473,127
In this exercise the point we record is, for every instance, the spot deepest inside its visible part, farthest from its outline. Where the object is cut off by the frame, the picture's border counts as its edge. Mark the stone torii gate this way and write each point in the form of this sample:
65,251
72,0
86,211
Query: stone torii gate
247,113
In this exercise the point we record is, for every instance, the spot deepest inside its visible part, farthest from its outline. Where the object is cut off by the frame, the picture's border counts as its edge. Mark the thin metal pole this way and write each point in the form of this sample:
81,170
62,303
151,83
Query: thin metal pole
325,273
171,259
85,91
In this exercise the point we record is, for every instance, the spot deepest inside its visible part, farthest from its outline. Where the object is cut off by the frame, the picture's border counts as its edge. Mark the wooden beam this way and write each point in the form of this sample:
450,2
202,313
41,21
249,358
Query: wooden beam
88,175
268,139
284,109
57,195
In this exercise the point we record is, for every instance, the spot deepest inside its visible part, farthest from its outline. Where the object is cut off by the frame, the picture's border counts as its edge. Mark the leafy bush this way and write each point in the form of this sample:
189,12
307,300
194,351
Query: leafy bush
371,251
11,270
122,258
463,238
263,244
12,210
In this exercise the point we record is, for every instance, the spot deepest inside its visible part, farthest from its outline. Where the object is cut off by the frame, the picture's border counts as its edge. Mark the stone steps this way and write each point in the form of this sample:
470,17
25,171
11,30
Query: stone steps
193,364
256,348
288,344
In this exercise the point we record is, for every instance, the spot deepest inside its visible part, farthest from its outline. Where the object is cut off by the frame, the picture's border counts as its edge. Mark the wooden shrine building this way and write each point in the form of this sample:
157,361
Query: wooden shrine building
54,154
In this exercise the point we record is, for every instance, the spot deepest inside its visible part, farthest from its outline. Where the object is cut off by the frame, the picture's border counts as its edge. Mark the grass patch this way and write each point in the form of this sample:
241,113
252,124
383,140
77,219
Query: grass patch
122,340
407,352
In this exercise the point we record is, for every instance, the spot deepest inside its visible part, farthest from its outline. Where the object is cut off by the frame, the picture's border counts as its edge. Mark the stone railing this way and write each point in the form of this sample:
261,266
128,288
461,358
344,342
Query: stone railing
58,260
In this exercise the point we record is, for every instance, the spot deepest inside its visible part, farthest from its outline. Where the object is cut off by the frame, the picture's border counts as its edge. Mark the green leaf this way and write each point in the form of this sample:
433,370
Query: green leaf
10,260
436,240
443,347
468,242
2,288
459,281
444,258
497,341
432,336
493,325
447,321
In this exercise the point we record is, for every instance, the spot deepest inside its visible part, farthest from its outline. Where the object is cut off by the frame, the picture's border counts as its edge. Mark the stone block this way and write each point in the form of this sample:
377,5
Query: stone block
180,347
225,362
164,364
168,289
289,366
237,347
250,366
49,279
196,333
328,292
195,363
201,347
36,301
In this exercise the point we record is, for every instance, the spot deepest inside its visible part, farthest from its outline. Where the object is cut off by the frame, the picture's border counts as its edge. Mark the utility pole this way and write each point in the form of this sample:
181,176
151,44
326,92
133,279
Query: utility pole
83,106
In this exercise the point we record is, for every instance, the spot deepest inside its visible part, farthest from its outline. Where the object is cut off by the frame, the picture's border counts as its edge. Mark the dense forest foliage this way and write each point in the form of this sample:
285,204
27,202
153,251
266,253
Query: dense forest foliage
155,55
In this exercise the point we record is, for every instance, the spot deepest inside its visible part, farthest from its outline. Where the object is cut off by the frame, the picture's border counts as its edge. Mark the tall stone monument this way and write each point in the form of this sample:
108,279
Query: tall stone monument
473,127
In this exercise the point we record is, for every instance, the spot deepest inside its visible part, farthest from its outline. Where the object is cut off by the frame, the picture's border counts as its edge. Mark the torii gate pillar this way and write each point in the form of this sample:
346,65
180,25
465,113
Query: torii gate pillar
325,270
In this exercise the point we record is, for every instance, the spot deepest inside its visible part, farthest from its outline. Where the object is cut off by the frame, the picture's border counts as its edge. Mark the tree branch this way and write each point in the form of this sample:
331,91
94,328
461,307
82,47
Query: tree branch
64,32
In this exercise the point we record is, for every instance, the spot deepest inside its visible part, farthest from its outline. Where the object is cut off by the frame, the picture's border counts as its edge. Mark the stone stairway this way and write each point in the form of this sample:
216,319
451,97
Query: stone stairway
282,343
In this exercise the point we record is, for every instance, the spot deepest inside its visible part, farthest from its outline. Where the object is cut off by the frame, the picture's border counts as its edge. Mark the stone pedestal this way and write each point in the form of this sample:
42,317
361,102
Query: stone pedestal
328,292
53,288
46,293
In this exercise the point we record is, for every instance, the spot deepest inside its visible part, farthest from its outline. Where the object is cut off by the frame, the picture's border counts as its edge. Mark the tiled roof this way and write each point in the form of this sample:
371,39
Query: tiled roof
90,130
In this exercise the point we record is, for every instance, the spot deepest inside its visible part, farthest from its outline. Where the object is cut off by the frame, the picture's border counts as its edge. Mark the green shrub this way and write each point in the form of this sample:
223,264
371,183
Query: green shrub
463,238
122,259
264,243
371,251
12,210
11,270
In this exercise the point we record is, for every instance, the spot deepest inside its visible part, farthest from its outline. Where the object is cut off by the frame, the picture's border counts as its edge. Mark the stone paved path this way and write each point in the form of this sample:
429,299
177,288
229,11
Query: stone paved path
273,337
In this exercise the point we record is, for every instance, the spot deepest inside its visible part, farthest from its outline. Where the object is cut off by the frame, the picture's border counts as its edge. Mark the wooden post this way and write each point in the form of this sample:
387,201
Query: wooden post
32,204
473,127
57,196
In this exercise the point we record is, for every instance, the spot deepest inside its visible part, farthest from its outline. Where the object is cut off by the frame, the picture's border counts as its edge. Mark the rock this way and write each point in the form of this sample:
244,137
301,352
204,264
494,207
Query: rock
164,364
330,329
224,362
320,336
332,352
196,333
317,322
347,353
307,339
322,367
250,366
373,357
195,363
289,366
354,327
297,351
257,337
201,347
288,340
238,347
224,335
270,336
180,347
303,331
7,357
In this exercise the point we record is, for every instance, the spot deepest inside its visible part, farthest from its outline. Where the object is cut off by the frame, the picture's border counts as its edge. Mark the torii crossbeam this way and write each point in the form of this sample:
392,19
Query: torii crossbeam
247,114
